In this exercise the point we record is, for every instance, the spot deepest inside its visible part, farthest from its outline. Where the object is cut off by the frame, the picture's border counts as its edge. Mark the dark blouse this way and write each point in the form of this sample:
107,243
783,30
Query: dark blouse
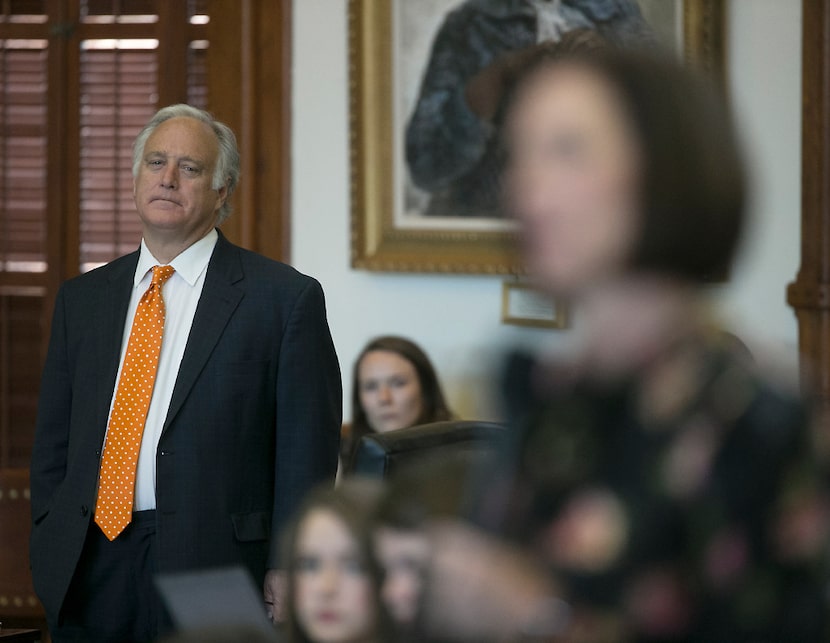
696,510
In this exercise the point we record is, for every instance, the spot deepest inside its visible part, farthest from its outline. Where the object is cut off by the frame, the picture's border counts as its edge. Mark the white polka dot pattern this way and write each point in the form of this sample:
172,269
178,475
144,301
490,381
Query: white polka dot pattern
116,487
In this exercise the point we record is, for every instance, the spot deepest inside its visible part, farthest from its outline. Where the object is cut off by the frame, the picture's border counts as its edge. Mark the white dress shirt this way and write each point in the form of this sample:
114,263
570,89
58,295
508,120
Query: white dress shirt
181,296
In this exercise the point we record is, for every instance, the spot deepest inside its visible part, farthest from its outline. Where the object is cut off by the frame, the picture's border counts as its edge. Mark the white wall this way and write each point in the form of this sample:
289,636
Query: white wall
765,88
457,318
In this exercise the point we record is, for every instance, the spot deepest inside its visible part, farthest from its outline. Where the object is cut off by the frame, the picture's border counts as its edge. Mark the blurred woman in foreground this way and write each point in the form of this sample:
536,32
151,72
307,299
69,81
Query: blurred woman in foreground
673,494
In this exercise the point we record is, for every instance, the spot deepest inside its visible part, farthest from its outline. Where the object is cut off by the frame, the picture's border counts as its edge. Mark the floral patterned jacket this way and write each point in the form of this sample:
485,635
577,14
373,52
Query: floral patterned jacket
692,507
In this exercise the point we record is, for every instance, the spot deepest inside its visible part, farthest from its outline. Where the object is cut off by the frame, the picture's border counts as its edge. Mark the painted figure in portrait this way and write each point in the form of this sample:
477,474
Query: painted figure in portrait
450,143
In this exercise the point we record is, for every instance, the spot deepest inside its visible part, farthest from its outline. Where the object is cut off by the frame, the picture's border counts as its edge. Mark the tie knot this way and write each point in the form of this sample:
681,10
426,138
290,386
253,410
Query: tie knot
162,274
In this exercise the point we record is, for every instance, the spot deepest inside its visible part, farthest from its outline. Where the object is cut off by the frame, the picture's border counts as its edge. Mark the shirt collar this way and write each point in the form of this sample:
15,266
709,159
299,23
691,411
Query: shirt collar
188,264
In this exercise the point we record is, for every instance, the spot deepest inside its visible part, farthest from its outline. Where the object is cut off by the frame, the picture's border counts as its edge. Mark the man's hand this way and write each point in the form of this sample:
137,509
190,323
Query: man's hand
275,590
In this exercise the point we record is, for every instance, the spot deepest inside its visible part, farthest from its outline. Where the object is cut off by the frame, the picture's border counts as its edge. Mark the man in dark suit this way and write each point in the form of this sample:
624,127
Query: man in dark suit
244,413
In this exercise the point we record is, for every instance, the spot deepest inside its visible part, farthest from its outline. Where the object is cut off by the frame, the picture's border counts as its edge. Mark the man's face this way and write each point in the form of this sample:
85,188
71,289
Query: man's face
173,188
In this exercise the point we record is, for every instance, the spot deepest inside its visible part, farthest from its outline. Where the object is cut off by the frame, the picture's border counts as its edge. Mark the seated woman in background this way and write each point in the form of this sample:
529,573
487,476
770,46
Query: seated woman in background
673,493
394,387
333,593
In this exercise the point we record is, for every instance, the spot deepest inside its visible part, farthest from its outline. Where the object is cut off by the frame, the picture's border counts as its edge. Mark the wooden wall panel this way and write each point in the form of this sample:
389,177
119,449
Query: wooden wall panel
809,295
249,89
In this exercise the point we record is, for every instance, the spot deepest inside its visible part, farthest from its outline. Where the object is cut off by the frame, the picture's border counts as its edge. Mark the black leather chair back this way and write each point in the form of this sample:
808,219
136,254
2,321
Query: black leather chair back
380,454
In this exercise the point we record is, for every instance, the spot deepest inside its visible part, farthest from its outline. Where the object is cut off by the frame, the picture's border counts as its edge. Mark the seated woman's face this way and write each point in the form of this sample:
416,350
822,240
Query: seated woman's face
390,391
572,178
333,594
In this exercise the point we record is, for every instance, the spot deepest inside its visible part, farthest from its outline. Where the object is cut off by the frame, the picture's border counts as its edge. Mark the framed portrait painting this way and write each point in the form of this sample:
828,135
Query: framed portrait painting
425,158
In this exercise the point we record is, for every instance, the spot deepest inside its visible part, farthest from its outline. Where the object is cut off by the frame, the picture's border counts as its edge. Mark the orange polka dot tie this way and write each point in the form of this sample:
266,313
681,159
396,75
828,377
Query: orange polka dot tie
116,487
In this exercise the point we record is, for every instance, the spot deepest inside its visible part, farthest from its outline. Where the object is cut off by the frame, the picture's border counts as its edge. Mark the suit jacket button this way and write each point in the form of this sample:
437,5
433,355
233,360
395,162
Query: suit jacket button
84,510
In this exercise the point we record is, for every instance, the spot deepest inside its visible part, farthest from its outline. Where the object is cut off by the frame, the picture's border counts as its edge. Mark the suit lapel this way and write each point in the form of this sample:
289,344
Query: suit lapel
112,304
220,298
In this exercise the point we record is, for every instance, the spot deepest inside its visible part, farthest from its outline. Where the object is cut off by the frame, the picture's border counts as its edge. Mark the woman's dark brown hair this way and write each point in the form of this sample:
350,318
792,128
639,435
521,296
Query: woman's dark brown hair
433,405
353,502
692,187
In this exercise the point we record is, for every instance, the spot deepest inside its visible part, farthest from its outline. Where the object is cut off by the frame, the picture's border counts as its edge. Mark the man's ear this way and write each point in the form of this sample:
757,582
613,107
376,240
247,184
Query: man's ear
222,194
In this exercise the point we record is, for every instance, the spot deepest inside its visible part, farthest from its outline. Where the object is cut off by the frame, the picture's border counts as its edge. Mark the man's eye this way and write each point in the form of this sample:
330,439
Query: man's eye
190,169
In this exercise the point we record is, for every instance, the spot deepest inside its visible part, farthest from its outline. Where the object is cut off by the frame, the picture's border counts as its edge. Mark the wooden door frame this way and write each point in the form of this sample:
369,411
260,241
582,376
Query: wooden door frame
249,88
809,294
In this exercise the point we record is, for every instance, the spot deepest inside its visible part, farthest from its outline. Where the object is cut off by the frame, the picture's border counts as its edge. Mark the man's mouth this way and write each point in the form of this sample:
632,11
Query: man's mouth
165,199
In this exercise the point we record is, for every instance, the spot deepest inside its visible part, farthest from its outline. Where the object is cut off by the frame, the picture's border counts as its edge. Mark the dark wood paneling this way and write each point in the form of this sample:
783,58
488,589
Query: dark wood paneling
249,89
18,603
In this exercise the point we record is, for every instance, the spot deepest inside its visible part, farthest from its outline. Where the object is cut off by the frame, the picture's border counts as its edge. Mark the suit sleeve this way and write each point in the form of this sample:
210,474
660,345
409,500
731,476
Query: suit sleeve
309,407
49,453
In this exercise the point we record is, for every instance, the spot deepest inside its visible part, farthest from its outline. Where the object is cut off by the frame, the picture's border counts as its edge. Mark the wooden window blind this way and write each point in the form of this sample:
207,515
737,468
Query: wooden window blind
117,89
78,79
23,155
23,219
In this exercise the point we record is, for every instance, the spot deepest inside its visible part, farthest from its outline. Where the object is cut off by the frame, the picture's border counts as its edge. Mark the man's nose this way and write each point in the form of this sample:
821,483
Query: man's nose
170,178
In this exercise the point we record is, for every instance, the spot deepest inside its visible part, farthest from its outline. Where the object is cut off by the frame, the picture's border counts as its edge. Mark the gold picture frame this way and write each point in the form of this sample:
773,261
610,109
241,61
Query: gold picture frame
378,242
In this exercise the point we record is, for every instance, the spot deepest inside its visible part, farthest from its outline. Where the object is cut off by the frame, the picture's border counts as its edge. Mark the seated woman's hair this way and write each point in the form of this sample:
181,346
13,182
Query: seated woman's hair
693,183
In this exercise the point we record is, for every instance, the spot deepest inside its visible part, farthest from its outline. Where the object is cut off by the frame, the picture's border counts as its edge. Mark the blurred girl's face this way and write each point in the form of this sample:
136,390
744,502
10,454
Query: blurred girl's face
390,391
333,590
403,554
572,178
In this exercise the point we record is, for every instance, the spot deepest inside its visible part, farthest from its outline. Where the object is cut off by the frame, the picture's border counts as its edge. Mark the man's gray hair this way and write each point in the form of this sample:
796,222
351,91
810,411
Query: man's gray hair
226,172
